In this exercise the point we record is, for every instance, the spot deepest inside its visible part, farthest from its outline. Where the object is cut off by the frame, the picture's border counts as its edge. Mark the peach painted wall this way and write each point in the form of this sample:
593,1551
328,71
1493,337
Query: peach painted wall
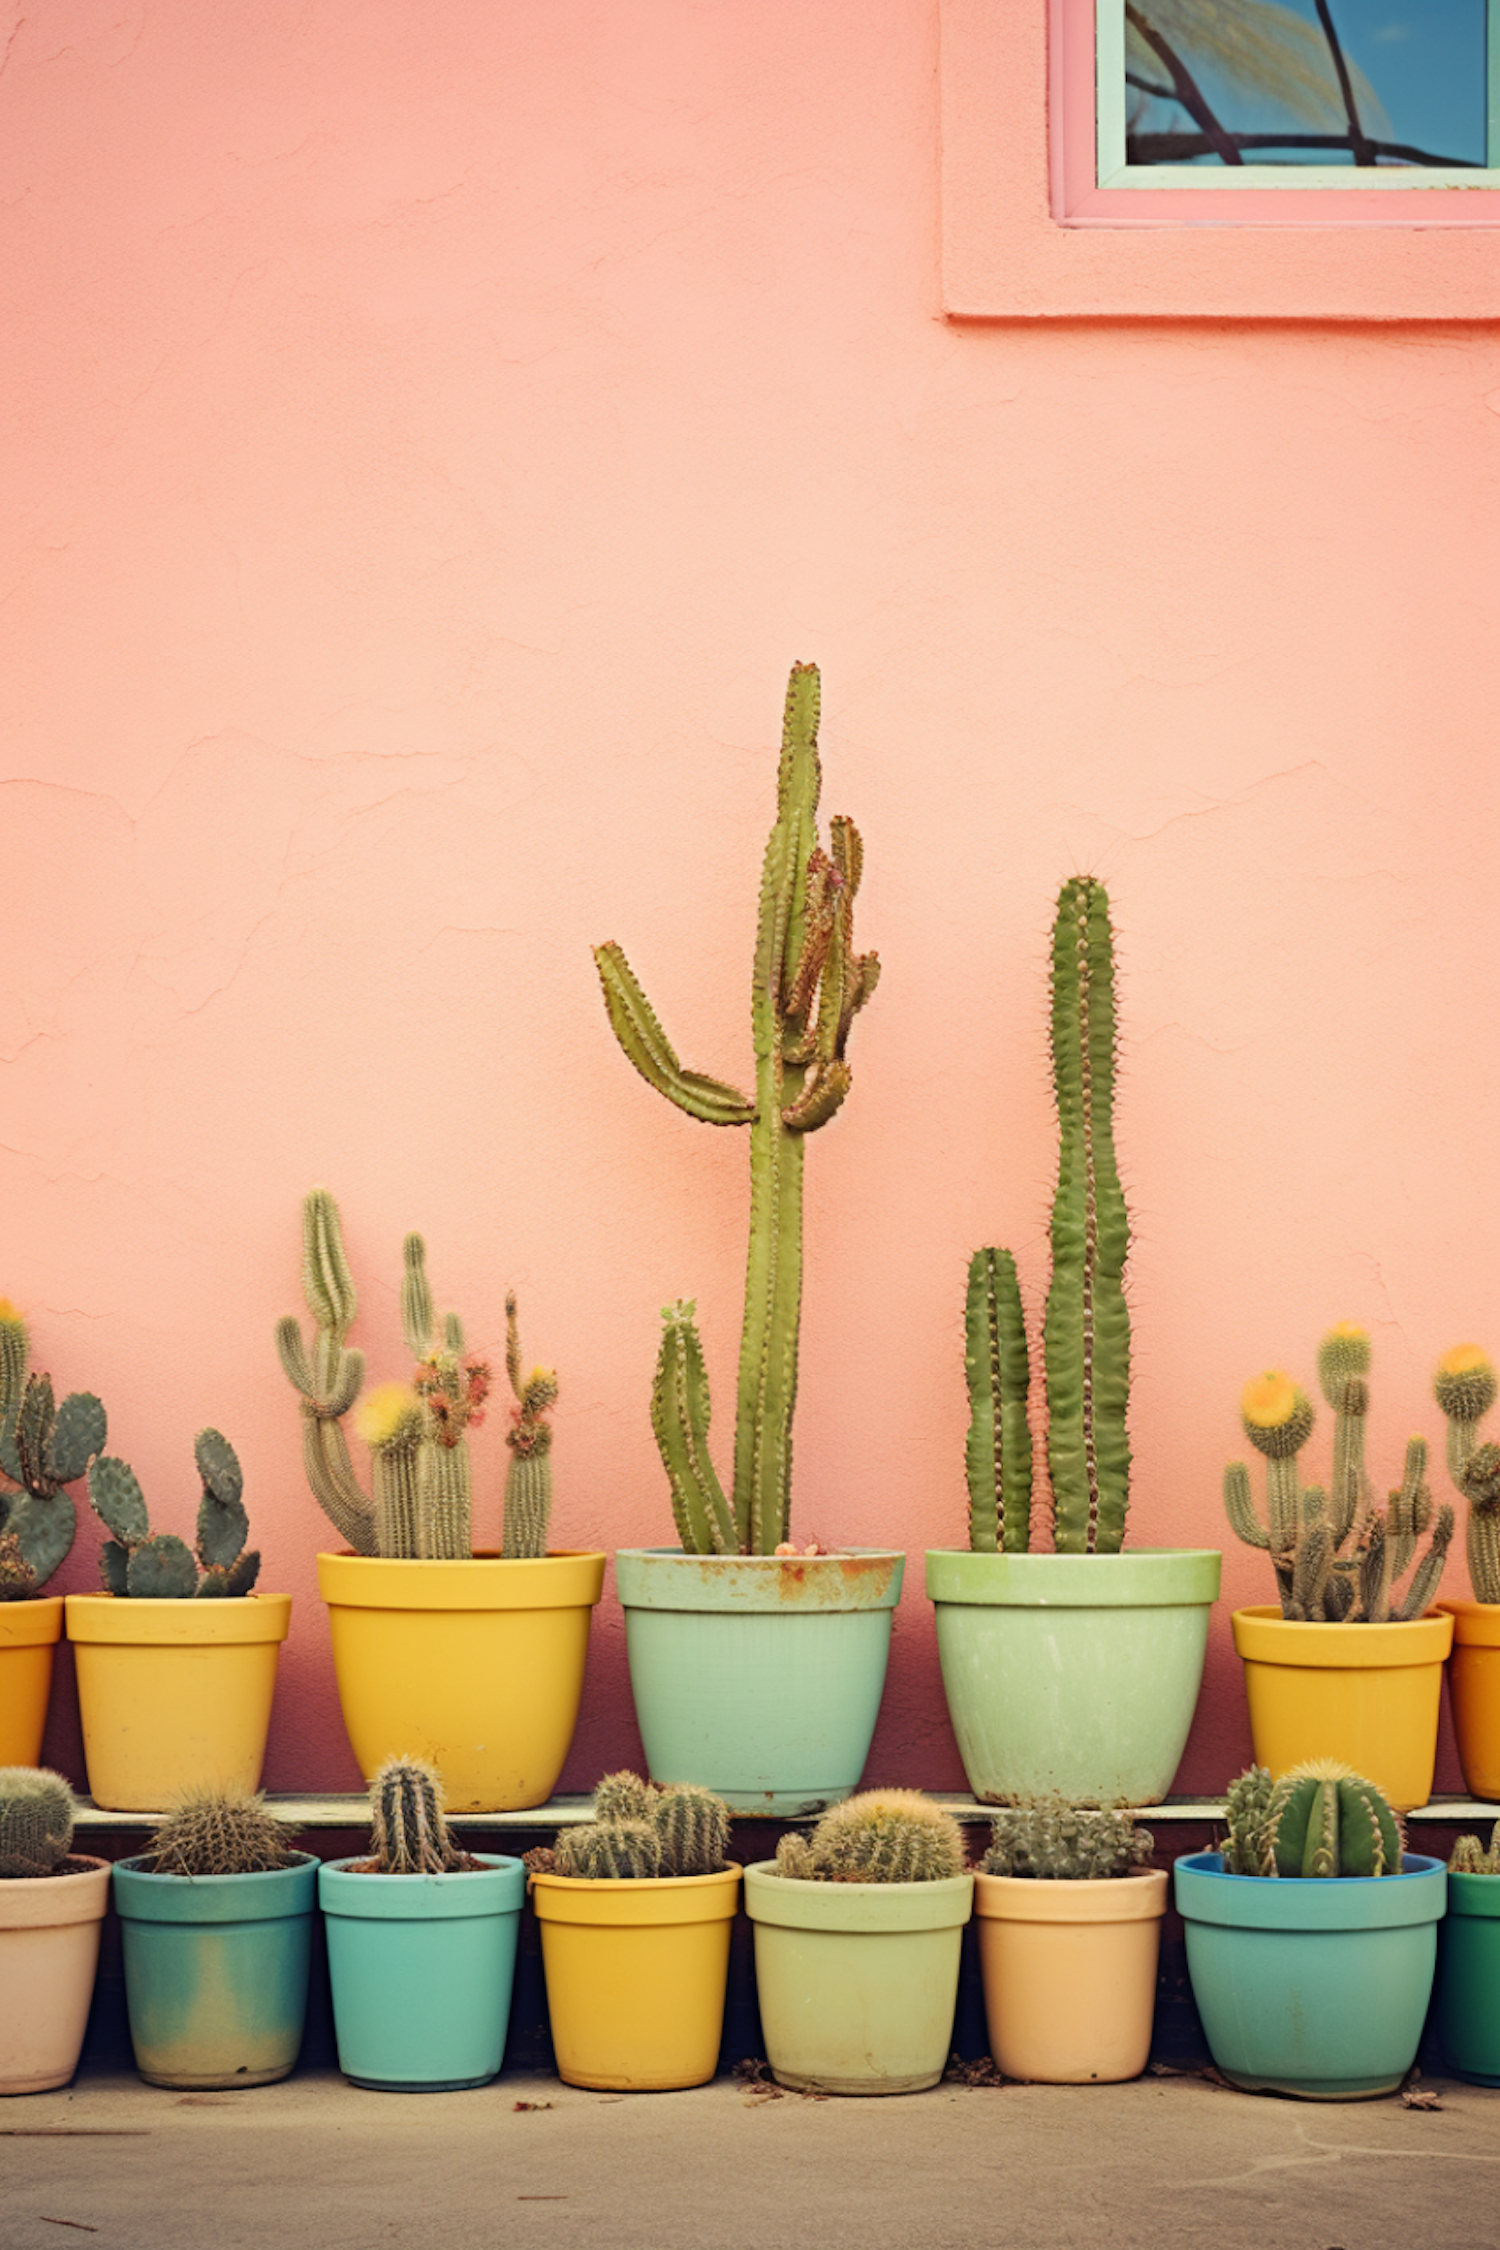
431,434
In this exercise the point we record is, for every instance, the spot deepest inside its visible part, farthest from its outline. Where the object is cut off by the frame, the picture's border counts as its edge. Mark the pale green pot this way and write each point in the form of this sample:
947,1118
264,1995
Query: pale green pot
1072,1673
857,1982
758,1676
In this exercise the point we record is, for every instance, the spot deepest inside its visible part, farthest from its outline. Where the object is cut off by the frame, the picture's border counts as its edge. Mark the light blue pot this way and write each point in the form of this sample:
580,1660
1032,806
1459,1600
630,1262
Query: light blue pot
216,1971
759,1676
1468,1984
1307,1985
422,1968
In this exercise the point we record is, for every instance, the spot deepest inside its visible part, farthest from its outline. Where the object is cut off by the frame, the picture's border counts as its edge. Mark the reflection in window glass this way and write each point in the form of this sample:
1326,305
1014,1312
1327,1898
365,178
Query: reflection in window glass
1361,82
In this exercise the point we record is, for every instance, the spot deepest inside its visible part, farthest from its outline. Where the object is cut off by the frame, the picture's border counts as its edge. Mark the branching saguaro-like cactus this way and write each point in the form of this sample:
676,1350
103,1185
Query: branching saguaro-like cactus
36,1821
134,1560
1337,1556
639,1831
808,985
1050,1839
1465,1387
528,1480
1086,1333
880,1836
408,1832
44,1448
1320,1819
219,1832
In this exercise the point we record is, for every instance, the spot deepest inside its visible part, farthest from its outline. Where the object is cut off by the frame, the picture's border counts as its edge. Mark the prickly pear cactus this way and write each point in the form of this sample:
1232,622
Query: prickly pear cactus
44,1447
36,1821
135,1562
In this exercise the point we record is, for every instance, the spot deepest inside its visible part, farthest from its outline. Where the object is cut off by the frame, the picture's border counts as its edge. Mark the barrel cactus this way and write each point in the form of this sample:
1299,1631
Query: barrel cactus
136,1561
215,1831
639,1831
880,1836
1319,1819
36,1821
408,1830
44,1447
1050,1839
617,1851
1470,1857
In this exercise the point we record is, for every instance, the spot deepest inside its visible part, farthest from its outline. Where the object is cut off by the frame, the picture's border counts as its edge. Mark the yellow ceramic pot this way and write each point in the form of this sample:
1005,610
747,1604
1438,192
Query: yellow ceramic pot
1473,1691
1366,1694
474,1665
174,1694
29,1631
1069,1972
636,1974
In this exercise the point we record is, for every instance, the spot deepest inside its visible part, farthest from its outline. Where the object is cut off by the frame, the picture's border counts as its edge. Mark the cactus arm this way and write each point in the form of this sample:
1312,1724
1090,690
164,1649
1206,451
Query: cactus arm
648,1048
1239,1507
335,1487
416,1297
327,1282
1424,1579
35,1540
680,1410
998,1452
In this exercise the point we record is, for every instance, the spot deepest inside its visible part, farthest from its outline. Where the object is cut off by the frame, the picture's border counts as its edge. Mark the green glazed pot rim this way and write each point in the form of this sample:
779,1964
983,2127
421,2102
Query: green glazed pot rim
1137,1578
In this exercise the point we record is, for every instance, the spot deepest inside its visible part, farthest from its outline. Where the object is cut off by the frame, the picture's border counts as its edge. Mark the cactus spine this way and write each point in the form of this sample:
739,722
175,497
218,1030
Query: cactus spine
999,1378
44,1447
1048,1838
528,1480
160,1566
1247,1812
1465,1388
880,1836
639,1831
1320,1819
408,1833
219,1832
610,1851
36,1821
807,986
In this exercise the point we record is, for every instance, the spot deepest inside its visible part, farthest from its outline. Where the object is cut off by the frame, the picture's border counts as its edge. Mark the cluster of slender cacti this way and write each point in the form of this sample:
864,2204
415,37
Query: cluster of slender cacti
36,1821
1319,1819
1336,1554
1465,1387
880,1836
1470,1857
218,1831
44,1447
808,984
134,1560
1086,1333
640,1831
408,1829
1048,1838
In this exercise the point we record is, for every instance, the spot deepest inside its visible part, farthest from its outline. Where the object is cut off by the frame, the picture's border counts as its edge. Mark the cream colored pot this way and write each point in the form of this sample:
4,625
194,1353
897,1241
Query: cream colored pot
1069,1972
49,1950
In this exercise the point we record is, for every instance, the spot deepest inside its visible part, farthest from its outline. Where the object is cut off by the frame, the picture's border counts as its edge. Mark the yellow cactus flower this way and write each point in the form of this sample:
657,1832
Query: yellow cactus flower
1464,1359
1465,1385
11,1316
392,1410
1276,1414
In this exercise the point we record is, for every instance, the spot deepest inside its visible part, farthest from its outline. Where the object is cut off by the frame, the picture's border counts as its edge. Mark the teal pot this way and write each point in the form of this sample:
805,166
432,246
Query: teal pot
422,1968
1072,1673
216,1971
1310,1985
759,1676
1468,1983
857,1982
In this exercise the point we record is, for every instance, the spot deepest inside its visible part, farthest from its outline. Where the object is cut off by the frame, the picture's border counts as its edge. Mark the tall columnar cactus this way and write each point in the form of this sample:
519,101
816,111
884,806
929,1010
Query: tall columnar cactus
1465,1388
36,1821
44,1448
408,1833
1050,1839
880,1836
528,1480
215,1831
808,984
1086,1332
136,1561
1336,1555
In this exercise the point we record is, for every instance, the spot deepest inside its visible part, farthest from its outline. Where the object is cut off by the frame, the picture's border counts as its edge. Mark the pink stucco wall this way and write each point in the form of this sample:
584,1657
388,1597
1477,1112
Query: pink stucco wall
431,434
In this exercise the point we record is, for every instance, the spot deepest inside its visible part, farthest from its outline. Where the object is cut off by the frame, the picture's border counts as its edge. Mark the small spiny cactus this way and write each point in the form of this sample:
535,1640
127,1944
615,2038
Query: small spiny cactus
219,1832
36,1821
528,1480
623,1796
639,1831
1319,1819
408,1834
882,1836
1470,1857
1248,1809
616,1851
1055,1841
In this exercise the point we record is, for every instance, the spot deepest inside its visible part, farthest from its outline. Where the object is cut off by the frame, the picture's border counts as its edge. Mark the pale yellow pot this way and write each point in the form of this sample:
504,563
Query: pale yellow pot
474,1665
636,1975
1367,1695
49,1950
1069,1971
29,1632
174,1694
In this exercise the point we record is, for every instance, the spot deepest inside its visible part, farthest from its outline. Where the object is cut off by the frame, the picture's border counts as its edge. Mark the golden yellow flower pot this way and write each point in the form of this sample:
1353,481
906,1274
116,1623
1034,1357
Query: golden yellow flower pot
475,1665
636,1974
1069,1973
29,1631
1365,1694
174,1694
1473,1691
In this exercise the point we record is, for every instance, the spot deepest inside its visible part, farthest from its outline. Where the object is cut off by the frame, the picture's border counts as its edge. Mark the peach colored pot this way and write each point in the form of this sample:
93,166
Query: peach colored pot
29,1632
1069,1972
49,1950
1474,1692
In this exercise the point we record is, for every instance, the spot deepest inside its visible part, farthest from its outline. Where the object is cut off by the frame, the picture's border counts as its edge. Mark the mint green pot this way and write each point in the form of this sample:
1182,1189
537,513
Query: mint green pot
1312,1986
216,1971
1072,1673
759,1676
422,1968
1468,1980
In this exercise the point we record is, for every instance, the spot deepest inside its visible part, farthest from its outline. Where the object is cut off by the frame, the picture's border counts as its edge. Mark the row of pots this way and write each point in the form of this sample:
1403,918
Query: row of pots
1316,1988
758,1676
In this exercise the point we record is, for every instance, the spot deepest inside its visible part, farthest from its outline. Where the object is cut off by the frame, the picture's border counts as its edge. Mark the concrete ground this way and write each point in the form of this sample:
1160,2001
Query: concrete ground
1167,2161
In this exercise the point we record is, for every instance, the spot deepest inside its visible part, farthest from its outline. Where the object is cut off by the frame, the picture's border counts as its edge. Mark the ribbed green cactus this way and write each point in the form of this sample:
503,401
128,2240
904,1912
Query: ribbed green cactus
999,1376
692,1827
36,1821
1470,1857
1248,1809
610,1851
1048,1838
421,1478
408,1833
624,1796
44,1447
1319,1819
639,1831
219,1832
158,1566
1479,1481
528,1480
1465,1388
807,987
880,1836
1336,1555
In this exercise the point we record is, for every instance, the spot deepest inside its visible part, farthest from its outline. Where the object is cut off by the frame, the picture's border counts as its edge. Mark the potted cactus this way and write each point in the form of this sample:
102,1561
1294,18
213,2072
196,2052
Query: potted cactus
216,1918
1069,1915
44,1447
1465,1387
52,1902
470,1659
1349,1662
858,1937
1076,1670
421,1944
636,1908
1468,1978
1311,1936
176,1658
795,1642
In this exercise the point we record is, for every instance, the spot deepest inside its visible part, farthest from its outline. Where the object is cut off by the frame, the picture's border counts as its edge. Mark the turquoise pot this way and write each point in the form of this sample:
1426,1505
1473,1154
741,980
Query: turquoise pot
422,1968
1312,1986
1072,1673
759,1676
216,1971
1468,1982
